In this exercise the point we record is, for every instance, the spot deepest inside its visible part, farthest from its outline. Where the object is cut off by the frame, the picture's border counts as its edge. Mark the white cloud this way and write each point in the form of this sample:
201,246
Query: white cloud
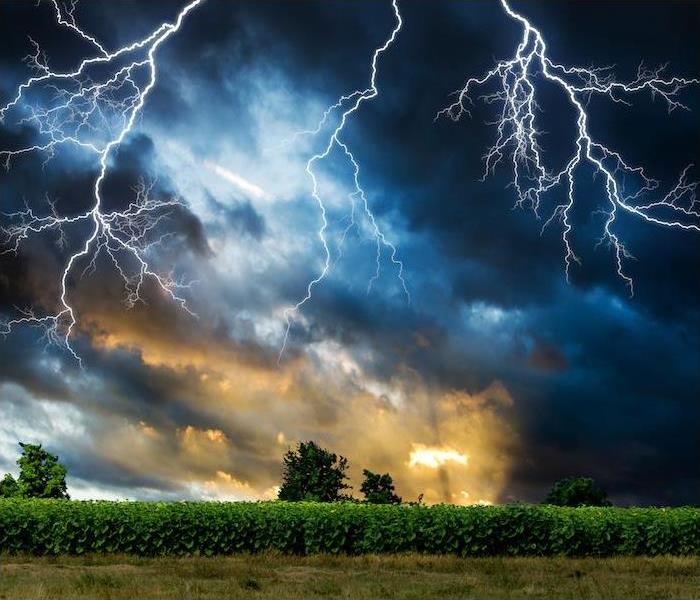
247,187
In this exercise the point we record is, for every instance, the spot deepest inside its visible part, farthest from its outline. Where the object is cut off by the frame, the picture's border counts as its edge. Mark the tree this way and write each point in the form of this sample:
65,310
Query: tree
40,475
313,473
8,487
577,491
378,489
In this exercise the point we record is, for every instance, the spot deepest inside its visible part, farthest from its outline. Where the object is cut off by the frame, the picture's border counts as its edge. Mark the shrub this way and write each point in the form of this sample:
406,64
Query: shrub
9,487
192,528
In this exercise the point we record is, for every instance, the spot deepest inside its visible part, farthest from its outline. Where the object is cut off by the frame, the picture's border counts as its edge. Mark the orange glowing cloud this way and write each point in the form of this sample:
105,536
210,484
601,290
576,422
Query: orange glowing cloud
449,446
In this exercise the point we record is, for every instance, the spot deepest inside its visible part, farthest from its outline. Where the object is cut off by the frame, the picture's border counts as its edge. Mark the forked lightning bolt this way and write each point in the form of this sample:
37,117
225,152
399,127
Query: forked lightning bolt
341,111
517,80
93,108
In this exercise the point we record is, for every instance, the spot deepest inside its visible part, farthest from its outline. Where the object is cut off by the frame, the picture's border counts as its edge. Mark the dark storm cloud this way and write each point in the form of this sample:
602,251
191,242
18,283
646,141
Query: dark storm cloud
238,217
27,364
546,357
438,181
496,256
70,187
620,412
603,383
133,166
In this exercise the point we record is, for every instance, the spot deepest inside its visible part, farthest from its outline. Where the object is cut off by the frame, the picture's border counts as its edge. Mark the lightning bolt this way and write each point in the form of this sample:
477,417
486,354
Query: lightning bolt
516,83
342,110
93,108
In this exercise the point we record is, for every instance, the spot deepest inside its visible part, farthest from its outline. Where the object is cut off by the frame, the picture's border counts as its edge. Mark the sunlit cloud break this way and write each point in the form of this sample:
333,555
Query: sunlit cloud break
434,457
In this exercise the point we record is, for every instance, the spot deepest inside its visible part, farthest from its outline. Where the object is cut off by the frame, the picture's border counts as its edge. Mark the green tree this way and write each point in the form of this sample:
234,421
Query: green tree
40,475
313,473
577,491
8,487
378,489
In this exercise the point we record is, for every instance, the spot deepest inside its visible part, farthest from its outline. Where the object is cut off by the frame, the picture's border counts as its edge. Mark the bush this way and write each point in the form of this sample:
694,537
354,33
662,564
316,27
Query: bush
9,487
191,528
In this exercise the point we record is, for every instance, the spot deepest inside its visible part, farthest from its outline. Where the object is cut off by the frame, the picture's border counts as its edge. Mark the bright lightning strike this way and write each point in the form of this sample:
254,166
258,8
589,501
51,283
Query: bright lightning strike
94,108
516,81
342,110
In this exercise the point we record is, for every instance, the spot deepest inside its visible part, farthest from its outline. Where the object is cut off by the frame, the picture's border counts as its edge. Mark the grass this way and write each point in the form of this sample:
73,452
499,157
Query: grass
406,577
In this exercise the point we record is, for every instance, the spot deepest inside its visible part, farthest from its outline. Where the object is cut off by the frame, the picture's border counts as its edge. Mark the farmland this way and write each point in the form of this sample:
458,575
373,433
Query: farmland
55,527
68,549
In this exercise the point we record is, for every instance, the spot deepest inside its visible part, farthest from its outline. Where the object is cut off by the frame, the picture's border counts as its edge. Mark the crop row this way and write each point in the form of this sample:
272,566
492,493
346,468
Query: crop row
208,528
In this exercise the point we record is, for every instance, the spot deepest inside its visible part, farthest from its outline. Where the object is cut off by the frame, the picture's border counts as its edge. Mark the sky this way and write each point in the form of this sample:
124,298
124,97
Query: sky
497,378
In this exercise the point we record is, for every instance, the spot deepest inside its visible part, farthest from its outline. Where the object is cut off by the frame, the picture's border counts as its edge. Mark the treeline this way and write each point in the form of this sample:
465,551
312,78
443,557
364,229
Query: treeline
309,473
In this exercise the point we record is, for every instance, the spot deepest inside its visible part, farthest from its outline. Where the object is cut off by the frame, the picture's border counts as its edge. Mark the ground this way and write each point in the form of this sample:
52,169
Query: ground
381,577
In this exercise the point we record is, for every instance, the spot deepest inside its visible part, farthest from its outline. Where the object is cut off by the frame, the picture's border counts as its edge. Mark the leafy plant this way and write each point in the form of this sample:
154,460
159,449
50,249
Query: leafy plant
313,473
57,527
577,491
378,489
8,487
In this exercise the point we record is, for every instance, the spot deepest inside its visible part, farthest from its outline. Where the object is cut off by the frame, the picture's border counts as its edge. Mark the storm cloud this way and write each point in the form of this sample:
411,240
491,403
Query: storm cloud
496,359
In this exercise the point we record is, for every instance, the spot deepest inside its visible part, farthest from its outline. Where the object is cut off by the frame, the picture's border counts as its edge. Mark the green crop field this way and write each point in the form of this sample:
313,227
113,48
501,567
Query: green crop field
66,549
56,527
